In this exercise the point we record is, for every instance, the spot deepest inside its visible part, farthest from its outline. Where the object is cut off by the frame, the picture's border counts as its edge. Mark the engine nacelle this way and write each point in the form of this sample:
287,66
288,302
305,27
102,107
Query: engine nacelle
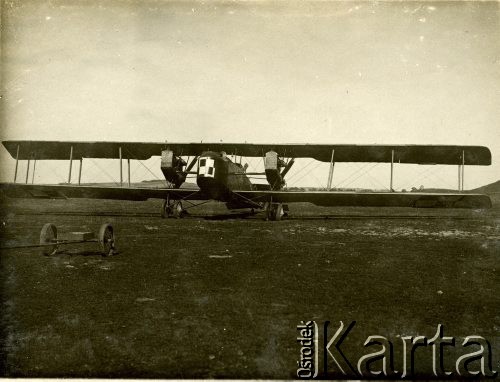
171,167
272,165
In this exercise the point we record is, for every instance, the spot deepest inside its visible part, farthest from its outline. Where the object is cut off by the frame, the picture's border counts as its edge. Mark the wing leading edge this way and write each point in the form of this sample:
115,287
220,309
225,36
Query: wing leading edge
16,190
372,199
320,198
417,154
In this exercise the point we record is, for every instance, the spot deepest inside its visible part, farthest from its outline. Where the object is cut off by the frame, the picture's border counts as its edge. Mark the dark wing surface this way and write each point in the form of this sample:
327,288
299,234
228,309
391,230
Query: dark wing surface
371,199
17,190
417,154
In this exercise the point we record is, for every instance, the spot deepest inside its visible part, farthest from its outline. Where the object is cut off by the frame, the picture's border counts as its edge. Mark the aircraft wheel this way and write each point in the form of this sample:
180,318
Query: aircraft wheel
286,210
172,209
166,209
267,211
48,234
275,211
107,239
177,210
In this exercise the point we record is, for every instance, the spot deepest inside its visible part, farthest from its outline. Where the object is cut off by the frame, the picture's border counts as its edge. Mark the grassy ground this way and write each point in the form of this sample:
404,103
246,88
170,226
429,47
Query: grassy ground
217,297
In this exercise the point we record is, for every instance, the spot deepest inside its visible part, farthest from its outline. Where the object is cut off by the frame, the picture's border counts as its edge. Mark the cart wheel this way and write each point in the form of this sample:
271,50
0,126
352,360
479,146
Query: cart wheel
48,235
107,239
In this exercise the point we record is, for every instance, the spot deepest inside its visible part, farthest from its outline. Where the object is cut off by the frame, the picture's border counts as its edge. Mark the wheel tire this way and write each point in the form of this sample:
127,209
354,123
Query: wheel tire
275,211
166,209
267,211
107,239
177,210
286,210
48,234
278,212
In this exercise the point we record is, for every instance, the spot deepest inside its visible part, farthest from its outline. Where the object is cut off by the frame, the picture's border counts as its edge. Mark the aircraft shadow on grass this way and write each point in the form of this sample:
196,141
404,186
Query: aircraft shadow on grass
80,253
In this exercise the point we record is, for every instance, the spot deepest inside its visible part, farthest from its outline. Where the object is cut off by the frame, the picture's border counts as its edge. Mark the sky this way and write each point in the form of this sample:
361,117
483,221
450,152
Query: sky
270,72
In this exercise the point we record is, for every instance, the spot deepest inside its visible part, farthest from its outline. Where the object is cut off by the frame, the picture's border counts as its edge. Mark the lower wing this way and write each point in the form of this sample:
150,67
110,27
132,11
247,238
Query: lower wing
320,198
16,190
371,199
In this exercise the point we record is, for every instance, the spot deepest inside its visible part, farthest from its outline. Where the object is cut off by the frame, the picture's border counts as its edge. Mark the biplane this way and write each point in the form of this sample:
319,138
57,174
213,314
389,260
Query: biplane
222,179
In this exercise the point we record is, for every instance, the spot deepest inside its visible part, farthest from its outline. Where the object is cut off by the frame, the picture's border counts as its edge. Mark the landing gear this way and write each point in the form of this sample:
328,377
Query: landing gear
275,211
107,239
172,209
286,210
48,235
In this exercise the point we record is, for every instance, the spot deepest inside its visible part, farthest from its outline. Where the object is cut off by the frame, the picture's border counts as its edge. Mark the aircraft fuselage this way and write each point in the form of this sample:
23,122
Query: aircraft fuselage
218,177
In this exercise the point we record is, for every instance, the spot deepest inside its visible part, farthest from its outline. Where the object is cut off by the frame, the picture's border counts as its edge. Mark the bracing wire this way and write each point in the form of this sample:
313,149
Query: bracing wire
362,174
428,173
104,171
301,170
311,173
56,173
378,182
362,168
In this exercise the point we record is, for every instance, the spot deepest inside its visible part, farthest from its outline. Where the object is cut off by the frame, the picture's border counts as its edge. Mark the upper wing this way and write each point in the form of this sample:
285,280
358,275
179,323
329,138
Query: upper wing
371,199
419,154
17,190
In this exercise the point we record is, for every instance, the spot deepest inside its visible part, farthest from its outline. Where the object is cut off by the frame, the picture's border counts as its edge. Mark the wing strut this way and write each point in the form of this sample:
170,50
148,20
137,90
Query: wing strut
128,171
33,175
27,171
463,168
287,167
330,174
17,163
191,164
121,167
70,164
461,172
80,171
392,170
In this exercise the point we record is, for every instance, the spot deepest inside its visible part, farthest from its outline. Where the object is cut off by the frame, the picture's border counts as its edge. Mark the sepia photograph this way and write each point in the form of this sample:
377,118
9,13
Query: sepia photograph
249,189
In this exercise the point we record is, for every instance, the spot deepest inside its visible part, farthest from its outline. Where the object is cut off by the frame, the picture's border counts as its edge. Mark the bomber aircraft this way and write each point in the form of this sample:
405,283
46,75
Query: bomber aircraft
219,178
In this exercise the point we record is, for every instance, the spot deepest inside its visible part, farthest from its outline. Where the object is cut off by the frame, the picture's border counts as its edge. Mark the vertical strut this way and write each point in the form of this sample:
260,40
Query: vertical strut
17,163
80,171
33,175
330,173
463,168
70,163
191,164
459,180
27,171
128,170
121,168
392,170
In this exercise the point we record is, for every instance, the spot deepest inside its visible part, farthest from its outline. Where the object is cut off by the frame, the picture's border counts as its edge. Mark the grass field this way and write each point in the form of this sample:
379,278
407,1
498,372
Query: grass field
221,297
